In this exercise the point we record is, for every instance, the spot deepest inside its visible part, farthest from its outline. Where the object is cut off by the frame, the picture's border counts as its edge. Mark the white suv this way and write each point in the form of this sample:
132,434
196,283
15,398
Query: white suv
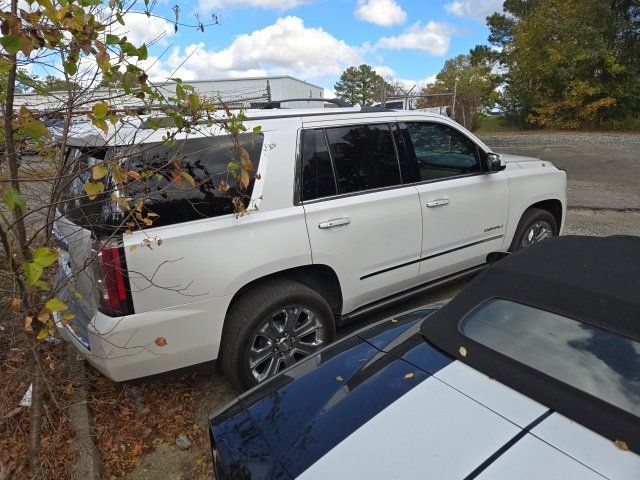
351,209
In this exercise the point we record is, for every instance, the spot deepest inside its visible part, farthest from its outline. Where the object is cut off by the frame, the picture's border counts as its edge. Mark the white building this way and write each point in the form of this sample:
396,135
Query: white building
242,92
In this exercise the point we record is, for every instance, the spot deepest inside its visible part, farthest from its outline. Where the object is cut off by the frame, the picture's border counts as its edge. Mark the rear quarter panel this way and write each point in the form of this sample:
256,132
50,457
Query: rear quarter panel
215,257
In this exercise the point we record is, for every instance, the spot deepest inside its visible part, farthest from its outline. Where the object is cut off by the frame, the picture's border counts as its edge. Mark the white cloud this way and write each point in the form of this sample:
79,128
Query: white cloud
407,83
385,13
139,29
433,38
208,5
384,71
476,9
285,47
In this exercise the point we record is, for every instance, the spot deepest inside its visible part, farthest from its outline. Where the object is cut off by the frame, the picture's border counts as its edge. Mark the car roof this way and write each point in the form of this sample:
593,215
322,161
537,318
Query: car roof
135,129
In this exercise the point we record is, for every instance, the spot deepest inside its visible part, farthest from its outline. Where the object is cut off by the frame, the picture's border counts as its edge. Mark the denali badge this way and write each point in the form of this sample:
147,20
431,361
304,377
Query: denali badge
497,227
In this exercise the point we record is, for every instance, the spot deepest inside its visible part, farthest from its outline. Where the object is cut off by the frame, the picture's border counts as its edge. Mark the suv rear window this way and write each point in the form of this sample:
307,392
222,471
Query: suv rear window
206,159
597,361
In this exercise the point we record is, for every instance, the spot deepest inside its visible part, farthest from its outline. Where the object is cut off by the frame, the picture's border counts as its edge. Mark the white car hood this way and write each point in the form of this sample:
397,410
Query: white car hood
509,158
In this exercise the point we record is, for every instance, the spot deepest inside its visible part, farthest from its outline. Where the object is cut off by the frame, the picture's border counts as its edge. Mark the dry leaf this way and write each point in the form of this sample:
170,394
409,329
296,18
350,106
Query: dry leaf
27,324
339,378
462,351
409,376
69,389
15,304
160,341
43,316
621,445
159,241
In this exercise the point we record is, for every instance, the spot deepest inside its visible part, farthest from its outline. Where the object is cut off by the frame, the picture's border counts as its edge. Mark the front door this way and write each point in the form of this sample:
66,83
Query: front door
464,209
362,222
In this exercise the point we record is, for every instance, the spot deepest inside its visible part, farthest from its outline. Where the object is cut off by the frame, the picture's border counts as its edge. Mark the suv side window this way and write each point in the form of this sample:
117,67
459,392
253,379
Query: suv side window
318,179
364,157
441,151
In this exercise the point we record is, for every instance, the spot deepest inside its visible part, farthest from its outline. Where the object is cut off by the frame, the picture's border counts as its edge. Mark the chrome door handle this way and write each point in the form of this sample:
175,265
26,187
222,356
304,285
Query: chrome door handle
441,202
336,222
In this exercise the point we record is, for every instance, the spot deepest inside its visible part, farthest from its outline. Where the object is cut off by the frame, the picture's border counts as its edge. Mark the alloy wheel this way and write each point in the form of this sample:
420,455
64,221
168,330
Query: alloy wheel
283,338
536,233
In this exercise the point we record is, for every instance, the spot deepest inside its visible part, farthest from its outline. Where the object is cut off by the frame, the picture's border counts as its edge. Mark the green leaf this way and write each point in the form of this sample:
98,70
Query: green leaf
42,285
70,68
45,256
35,129
100,110
93,189
32,272
55,305
11,43
142,52
112,39
257,129
12,198
5,65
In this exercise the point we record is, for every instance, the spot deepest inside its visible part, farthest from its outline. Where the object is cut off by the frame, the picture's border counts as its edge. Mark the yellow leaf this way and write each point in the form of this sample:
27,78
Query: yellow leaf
55,305
394,320
339,378
621,445
462,351
93,189
409,376
66,318
42,334
188,178
98,171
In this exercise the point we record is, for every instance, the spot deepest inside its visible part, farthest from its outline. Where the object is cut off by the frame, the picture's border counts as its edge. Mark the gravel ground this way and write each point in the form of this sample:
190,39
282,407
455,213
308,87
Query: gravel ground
603,169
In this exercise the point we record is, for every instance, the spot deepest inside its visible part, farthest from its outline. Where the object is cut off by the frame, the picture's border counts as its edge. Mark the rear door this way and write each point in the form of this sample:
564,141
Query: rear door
362,221
464,209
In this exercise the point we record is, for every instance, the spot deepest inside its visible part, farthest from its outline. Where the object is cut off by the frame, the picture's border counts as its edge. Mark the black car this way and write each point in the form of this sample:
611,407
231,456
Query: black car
531,371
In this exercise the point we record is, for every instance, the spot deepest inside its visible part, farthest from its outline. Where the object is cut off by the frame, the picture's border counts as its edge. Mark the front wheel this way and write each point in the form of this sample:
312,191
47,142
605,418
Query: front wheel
272,327
534,226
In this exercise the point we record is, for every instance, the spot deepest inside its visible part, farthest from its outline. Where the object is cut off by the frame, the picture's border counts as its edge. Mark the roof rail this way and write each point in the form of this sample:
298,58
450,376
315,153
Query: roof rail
336,101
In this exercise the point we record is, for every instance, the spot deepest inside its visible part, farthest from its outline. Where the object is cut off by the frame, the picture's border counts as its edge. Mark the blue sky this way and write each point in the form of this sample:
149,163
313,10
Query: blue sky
313,40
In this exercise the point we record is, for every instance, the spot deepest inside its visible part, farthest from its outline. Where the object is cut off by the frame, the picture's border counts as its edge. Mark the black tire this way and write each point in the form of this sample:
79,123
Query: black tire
250,312
528,220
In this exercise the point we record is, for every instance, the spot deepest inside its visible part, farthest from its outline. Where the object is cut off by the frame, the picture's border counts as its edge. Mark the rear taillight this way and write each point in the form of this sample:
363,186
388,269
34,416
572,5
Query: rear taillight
112,280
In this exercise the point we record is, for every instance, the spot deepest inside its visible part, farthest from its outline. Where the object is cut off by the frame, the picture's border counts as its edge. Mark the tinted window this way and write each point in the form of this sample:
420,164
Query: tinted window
317,173
441,151
175,201
364,157
206,160
594,360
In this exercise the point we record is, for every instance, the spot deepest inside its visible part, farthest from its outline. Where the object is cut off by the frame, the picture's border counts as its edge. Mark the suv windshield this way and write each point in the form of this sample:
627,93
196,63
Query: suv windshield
594,360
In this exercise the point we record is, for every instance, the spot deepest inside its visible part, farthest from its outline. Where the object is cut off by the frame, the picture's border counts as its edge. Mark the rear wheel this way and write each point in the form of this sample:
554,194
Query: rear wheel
272,327
535,226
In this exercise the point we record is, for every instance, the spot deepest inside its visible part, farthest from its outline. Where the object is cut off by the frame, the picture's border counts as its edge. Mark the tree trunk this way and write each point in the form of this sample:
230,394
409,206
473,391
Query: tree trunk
36,417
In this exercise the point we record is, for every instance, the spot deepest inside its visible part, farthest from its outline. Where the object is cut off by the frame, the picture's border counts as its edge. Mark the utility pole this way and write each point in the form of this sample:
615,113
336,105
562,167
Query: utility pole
455,93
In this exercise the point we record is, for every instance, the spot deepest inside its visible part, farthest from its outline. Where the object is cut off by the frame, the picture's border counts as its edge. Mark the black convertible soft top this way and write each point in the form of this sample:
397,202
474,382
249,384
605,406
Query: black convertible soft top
592,279
588,279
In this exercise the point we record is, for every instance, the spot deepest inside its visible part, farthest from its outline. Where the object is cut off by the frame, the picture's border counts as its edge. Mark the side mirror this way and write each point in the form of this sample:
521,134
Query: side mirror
495,163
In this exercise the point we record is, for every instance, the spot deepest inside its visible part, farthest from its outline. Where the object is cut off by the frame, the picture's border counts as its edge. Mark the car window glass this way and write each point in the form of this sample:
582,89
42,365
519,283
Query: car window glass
596,361
441,151
207,161
364,157
317,173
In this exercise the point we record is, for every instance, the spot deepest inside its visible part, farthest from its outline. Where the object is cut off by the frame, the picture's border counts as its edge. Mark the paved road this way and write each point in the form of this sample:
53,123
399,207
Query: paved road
603,169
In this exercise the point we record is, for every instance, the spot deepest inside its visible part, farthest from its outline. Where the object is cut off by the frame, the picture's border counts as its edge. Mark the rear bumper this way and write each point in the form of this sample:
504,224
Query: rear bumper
124,348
